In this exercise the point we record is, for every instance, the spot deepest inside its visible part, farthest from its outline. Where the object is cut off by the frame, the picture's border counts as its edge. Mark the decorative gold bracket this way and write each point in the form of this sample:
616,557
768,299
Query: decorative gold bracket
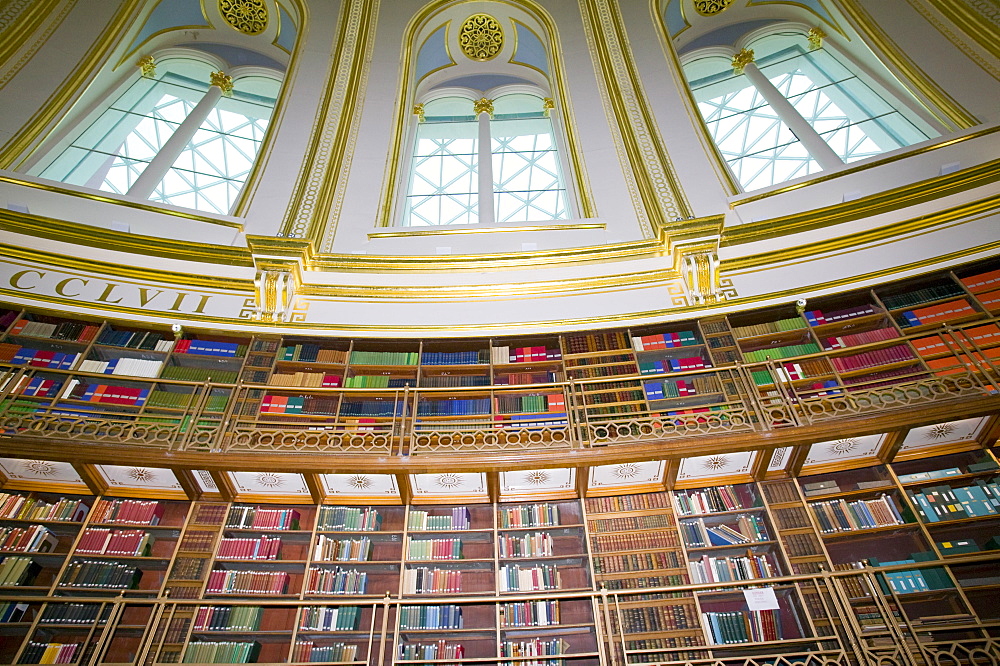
280,264
694,244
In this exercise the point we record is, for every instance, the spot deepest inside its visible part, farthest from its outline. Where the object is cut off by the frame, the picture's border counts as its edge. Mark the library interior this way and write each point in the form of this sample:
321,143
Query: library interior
513,332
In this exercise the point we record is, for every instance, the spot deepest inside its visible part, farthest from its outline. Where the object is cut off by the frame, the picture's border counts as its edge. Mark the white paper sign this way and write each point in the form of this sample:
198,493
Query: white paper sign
761,599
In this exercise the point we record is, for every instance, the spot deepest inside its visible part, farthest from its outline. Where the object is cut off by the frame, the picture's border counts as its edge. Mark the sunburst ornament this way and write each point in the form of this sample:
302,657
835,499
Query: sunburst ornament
716,463
39,467
448,480
141,475
359,482
269,479
844,446
941,431
537,478
627,470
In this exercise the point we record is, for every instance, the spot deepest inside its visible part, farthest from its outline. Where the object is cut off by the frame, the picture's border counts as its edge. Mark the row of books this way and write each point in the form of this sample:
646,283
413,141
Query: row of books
659,618
457,519
621,523
544,402
108,394
323,580
11,611
664,341
228,618
933,314
505,354
454,407
209,348
635,541
328,549
128,511
447,616
526,545
222,581
842,516
298,404
18,571
746,529
475,357
441,649
375,408
529,515
862,338
585,343
99,574
665,365
768,327
515,578
628,502
255,517
261,548
308,651
664,559
132,367
73,331
937,503
384,358
751,626
455,381
32,539
100,541
784,351
37,358
421,580
74,613
969,338
541,613
221,652
726,569
186,373
645,582
433,549
523,378
147,340
348,519
583,371
818,317
918,296
378,381
716,499
312,353
873,358
329,618
49,653
183,401
680,388
305,379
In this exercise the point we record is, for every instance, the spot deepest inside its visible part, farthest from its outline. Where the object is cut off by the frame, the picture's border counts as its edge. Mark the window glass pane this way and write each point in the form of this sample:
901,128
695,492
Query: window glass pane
444,175
527,184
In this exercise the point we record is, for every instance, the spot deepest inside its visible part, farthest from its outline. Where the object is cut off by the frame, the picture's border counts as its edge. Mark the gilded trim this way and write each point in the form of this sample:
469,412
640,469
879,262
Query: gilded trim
752,3
71,87
865,165
97,195
391,179
722,172
23,29
887,232
659,190
322,175
105,239
445,231
972,25
945,108
883,202
120,272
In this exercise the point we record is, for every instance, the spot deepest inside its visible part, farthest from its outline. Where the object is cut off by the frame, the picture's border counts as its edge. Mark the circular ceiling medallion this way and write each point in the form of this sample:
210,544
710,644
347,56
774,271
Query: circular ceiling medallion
360,482
268,479
941,430
537,478
481,37
39,467
627,471
247,16
448,480
844,446
716,463
140,474
711,7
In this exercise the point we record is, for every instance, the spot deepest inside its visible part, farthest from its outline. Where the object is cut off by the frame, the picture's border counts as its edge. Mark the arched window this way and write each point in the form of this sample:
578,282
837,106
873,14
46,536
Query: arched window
484,160
485,143
186,135
784,106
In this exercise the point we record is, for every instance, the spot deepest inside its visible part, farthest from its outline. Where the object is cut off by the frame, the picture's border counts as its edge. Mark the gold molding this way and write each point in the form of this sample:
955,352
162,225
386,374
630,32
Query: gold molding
884,233
404,232
106,239
970,22
910,194
14,152
97,195
945,108
481,37
24,27
864,166
659,190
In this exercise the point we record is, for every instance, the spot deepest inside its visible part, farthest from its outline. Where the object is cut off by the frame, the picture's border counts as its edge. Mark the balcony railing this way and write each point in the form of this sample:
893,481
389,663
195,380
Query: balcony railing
764,396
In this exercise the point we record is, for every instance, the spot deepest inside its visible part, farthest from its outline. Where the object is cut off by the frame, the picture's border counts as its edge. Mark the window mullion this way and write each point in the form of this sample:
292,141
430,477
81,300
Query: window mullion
810,138
486,213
